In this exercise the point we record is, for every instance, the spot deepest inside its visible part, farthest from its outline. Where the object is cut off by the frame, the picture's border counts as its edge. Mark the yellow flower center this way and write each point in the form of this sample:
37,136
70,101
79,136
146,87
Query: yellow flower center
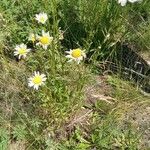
42,19
76,53
22,51
44,40
37,79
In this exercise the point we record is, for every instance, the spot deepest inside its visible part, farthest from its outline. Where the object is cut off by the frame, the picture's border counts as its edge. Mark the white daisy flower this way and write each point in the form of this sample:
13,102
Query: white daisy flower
32,37
124,2
36,80
132,1
61,34
41,17
21,50
76,55
45,40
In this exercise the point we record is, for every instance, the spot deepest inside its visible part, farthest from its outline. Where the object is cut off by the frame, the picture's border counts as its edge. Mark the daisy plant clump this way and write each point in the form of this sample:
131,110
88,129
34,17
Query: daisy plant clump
45,40
76,55
37,80
124,2
41,17
21,51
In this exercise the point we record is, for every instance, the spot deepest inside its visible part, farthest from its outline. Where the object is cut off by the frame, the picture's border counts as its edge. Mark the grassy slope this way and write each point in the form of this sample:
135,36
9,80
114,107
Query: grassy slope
24,119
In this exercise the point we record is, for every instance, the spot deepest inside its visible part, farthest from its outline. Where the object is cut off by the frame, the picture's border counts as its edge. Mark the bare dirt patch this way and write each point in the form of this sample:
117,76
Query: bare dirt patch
139,117
100,90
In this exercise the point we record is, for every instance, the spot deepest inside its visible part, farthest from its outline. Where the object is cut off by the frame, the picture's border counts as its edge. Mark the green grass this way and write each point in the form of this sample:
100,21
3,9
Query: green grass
39,119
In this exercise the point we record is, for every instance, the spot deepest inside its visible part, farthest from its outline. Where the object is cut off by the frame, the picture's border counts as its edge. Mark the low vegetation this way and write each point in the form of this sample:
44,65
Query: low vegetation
54,91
